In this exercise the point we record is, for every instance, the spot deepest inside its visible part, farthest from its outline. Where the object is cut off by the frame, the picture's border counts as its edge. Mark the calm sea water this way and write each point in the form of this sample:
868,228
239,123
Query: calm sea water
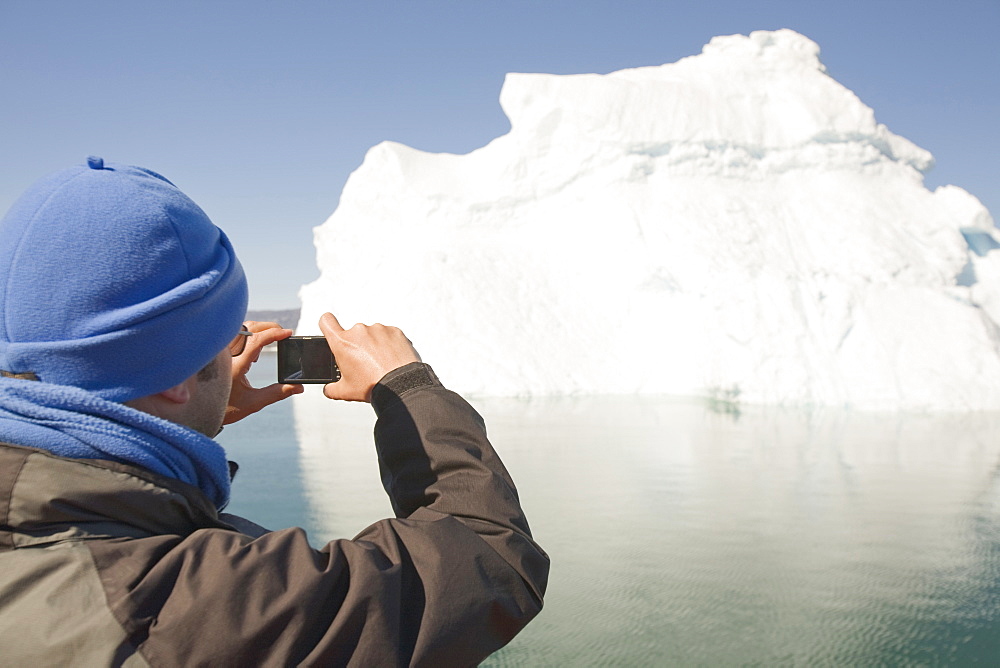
686,534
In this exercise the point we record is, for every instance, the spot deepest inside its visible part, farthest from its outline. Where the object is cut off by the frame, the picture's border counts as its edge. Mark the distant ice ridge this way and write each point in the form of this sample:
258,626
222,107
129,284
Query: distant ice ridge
735,225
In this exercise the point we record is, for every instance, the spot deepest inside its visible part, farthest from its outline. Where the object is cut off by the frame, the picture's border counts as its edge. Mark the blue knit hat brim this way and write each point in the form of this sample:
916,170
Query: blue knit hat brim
114,281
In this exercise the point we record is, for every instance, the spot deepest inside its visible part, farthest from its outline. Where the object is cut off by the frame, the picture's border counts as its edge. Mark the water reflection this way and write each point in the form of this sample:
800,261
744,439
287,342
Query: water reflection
686,536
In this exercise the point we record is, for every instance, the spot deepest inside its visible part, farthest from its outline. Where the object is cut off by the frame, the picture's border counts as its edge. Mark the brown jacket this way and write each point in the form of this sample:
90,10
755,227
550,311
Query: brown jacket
108,564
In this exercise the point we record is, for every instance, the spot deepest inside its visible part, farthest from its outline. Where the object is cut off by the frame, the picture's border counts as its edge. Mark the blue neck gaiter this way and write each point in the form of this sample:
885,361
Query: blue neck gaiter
71,422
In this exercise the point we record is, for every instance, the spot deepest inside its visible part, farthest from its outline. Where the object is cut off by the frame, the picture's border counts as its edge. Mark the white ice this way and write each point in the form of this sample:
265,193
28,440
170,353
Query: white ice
734,225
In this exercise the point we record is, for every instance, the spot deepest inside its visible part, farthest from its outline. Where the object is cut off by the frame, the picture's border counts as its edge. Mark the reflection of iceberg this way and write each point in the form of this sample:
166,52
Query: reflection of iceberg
777,538
686,537
339,467
736,224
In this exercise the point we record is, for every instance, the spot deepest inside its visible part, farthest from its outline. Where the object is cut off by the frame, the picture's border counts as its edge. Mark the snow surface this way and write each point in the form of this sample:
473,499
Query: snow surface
735,225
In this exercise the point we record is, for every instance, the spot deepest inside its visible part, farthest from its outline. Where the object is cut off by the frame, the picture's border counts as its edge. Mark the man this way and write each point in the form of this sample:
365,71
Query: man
121,355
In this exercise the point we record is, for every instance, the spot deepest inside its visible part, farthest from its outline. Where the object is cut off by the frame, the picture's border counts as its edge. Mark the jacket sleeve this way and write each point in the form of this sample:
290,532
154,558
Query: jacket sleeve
447,582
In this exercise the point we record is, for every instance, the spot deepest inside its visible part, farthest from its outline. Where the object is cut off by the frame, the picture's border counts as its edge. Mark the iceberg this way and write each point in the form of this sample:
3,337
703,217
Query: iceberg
735,225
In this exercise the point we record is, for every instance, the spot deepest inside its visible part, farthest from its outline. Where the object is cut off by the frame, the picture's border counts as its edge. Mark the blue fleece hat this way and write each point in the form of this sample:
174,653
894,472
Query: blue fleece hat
114,281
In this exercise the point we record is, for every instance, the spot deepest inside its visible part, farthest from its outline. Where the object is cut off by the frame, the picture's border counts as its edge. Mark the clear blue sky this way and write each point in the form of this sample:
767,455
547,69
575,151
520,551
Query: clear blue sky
260,110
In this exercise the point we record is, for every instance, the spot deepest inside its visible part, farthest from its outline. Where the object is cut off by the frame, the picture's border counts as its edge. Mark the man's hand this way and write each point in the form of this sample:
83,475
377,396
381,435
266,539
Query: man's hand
365,353
244,399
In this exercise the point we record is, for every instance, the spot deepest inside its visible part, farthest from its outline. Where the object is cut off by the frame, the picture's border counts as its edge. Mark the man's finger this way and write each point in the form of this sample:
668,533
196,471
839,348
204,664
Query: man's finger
329,324
275,392
250,399
256,326
270,335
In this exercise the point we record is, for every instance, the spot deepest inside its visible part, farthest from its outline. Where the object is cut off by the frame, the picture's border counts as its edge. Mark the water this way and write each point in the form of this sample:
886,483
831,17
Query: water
686,534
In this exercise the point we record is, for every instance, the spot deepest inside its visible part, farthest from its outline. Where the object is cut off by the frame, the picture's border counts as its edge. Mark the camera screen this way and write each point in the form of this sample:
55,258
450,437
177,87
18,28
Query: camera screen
306,359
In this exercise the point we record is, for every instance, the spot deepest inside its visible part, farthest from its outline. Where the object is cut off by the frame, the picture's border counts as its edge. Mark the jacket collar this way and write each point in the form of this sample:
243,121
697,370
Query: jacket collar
45,498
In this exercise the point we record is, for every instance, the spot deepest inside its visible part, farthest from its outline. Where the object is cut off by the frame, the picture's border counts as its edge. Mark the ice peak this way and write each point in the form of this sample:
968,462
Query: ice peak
762,93
784,48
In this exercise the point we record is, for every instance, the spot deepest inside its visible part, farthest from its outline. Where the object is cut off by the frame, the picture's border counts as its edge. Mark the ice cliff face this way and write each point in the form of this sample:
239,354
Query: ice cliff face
735,224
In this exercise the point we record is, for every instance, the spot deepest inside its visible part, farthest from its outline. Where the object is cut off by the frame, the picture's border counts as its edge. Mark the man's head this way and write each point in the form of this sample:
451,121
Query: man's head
114,281
199,402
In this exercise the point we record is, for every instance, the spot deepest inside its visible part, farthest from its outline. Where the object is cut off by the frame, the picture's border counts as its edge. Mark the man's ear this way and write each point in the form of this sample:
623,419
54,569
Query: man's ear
178,394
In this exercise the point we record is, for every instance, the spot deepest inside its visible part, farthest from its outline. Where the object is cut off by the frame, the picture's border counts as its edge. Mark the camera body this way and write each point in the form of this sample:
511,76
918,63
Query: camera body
306,359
